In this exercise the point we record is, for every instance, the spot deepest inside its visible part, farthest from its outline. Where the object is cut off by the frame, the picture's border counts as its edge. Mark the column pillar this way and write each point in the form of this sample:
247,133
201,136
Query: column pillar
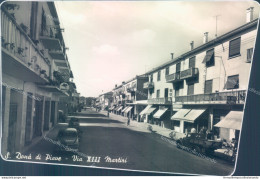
6,121
43,113
32,118
210,119
21,122
181,126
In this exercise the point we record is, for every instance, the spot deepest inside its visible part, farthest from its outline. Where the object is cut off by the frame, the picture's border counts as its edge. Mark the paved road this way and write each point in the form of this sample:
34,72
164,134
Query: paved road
136,150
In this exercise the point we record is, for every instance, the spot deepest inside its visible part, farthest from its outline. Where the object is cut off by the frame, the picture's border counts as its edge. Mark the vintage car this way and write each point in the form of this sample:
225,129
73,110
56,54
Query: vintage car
199,143
68,140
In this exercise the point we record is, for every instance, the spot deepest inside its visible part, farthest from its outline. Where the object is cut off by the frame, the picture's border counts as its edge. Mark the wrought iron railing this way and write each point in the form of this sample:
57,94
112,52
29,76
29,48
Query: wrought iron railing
229,97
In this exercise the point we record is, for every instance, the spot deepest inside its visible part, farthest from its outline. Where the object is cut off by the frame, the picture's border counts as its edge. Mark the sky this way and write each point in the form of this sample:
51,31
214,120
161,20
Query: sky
113,41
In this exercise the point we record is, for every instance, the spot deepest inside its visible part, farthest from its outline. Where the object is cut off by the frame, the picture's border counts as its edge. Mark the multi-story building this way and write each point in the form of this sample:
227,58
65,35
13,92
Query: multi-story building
104,100
130,97
35,70
207,84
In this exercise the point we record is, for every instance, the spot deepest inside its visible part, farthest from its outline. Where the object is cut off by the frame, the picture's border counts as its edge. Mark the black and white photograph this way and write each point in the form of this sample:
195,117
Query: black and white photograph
149,86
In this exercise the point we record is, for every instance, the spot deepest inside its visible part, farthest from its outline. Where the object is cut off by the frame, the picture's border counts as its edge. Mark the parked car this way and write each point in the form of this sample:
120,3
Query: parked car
199,143
74,123
68,139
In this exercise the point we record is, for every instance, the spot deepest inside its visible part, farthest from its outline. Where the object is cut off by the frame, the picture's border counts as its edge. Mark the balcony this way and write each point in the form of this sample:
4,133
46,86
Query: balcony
50,38
189,73
148,85
175,77
57,54
20,57
230,97
166,100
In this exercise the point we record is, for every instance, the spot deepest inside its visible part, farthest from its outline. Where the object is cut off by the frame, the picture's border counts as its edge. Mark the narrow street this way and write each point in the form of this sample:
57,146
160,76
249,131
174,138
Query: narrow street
139,150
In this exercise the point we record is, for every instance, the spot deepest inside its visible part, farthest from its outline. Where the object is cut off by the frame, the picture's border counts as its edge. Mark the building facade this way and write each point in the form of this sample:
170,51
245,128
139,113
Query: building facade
35,68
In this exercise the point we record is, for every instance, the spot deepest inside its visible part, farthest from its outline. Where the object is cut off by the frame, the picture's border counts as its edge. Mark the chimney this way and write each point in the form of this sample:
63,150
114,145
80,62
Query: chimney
115,86
192,45
205,37
249,14
123,82
172,55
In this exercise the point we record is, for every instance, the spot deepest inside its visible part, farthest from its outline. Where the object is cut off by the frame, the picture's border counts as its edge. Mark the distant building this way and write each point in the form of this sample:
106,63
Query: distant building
104,101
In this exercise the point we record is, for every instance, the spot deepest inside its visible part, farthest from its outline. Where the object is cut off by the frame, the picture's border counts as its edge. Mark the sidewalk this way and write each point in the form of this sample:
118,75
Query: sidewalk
142,126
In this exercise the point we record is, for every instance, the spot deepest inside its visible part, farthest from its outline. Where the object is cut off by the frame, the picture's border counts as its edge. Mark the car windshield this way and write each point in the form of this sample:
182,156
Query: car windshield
68,134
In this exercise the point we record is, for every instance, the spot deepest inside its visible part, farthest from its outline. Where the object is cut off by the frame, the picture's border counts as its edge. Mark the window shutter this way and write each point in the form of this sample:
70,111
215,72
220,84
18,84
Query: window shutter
178,67
208,87
192,62
232,82
191,89
234,47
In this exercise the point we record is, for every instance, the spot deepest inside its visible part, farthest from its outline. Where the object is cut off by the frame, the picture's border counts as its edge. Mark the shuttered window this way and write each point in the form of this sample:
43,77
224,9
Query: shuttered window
232,82
192,62
234,47
166,71
249,54
178,67
209,58
151,78
158,94
159,75
191,89
208,87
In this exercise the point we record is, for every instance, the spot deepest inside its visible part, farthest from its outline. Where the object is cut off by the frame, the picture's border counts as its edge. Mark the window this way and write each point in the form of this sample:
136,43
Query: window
191,89
234,47
43,25
158,94
177,88
249,55
232,82
209,58
192,62
159,75
178,67
170,93
208,87
151,78
166,71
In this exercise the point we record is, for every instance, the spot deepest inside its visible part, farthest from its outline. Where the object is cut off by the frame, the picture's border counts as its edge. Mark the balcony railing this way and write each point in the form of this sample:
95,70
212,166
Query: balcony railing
166,100
148,85
51,39
173,77
189,73
230,97
17,45
185,74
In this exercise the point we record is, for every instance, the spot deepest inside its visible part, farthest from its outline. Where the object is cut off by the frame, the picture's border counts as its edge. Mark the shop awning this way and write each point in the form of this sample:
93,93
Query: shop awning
119,108
160,112
188,115
194,114
179,115
128,109
233,120
111,108
125,108
145,109
149,111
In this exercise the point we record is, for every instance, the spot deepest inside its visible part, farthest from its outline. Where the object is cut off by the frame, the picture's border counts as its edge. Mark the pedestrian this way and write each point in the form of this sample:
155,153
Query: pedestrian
128,121
108,113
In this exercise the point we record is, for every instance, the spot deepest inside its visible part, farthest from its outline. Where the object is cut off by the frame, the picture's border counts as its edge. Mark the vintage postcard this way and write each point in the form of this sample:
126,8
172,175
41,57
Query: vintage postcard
156,86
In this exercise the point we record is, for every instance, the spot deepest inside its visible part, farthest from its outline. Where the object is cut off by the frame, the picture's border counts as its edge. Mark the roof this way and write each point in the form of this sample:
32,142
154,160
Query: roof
248,26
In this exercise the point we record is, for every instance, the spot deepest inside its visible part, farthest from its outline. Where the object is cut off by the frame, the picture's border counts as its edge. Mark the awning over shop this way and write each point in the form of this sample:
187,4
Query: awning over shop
188,115
125,108
119,108
145,109
111,108
233,120
179,115
160,112
149,111
128,109
194,114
